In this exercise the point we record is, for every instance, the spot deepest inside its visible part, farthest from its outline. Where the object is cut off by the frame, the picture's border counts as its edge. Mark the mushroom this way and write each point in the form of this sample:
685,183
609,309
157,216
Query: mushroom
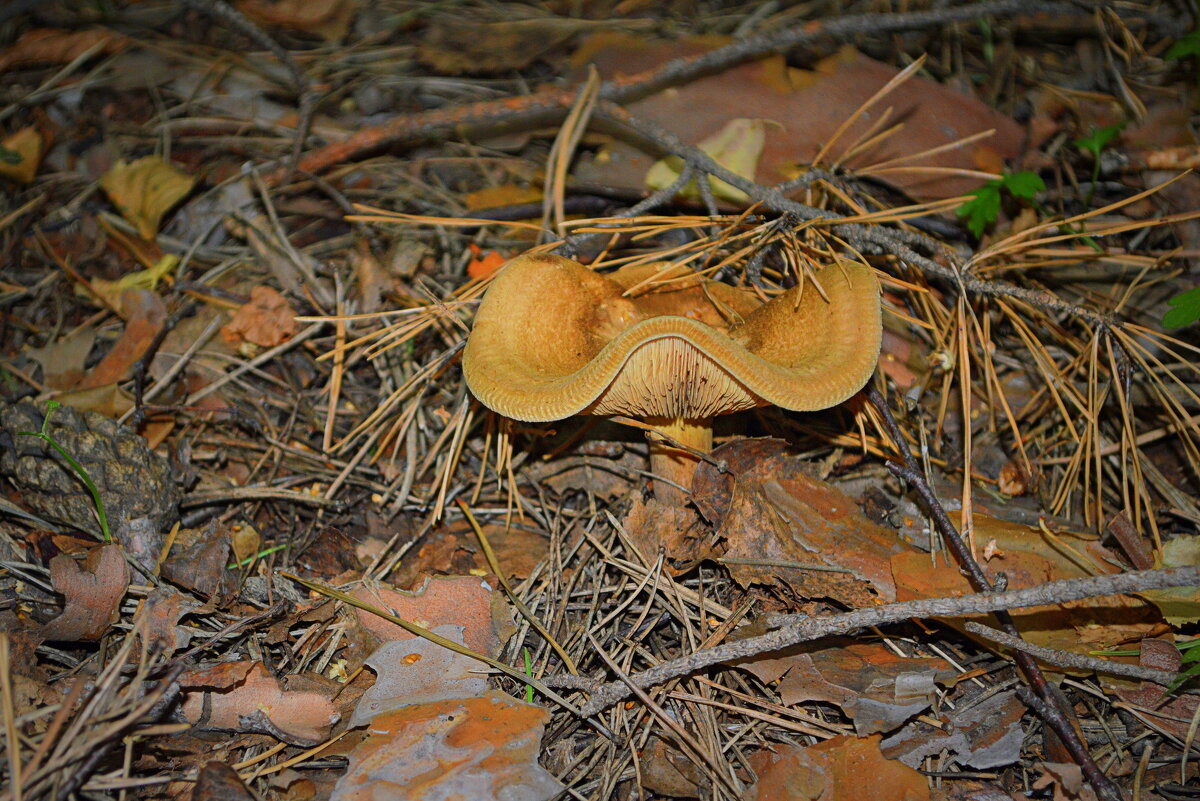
661,343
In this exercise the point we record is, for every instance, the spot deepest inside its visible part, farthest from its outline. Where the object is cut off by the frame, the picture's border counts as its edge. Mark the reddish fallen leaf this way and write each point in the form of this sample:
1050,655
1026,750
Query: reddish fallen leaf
1066,779
159,618
667,771
458,600
145,314
484,264
808,106
775,519
62,360
839,769
1172,713
267,320
329,19
876,688
53,46
480,748
256,703
93,593
654,526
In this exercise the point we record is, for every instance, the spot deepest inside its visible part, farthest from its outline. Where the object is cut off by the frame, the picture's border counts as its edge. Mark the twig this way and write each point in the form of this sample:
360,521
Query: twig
300,82
1055,656
814,628
551,105
1055,716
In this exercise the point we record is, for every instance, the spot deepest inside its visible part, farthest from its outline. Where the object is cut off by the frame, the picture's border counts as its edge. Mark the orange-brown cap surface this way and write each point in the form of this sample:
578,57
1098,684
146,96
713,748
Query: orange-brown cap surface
553,339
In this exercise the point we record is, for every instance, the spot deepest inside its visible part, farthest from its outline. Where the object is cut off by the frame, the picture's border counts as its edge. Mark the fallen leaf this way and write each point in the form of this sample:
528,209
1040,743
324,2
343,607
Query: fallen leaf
1172,713
113,292
1178,605
27,144
267,320
53,46
1067,781
159,618
62,360
808,106
145,315
666,770
224,701
838,769
144,190
654,527
481,748
216,781
876,688
417,671
93,593
329,19
458,600
454,45
199,560
777,521
982,734
737,147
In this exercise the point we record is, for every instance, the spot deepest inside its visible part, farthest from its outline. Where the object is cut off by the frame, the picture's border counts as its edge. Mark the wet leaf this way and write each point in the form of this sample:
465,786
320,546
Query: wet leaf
144,190
481,748
93,593
838,769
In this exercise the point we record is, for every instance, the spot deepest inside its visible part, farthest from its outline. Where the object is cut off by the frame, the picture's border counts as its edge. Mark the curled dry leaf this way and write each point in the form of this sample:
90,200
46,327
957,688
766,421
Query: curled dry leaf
241,696
457,600
774,517
839,769
27,144
160,615
144,190
876,688
93,593
53,46
267,320
481,748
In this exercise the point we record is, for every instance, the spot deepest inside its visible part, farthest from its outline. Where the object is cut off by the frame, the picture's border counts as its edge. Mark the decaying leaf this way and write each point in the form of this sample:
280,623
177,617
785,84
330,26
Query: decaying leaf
267,320
1067,781
28,145
159,619
839,769
1172,713
454,45
216,781
53,46
242,696
329,19
876,688
145,314
62,360
199,561
144,190
93,593
457,600
737,147
482,748
777,521
654,526
1179,605
983,735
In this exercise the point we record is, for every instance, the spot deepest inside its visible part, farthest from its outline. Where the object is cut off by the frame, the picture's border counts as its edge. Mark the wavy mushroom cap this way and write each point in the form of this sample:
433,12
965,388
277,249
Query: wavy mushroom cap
553,339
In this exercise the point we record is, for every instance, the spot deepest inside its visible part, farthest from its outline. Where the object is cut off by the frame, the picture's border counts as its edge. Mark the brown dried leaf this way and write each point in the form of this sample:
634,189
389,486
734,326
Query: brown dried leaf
457,600
199,561
480,748
300,717
62,360
1172,713
145,314
454,45
53,46
144,190
160,615
216,781
876,688
267,320
838,769
773,515
329,19
984,735
655,526
93,593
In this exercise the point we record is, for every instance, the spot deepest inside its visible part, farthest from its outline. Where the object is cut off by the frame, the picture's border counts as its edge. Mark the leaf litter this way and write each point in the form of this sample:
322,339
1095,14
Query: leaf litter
283,364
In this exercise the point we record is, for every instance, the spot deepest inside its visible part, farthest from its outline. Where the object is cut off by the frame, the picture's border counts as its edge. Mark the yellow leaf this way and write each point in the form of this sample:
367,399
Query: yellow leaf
142,279
145,190
737,147
26,143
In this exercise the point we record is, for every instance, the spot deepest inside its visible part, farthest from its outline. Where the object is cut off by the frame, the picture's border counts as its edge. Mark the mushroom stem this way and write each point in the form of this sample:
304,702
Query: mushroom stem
677,464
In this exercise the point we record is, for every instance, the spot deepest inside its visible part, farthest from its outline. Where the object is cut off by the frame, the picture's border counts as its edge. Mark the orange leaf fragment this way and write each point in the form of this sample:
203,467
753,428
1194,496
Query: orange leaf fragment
484,264
839,769
267,320
54,46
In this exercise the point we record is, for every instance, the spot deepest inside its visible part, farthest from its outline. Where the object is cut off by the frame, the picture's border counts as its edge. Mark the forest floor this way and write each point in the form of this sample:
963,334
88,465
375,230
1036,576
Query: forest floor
261,538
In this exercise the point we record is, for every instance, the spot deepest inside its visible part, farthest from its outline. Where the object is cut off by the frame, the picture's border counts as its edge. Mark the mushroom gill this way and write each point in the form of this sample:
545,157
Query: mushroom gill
553,339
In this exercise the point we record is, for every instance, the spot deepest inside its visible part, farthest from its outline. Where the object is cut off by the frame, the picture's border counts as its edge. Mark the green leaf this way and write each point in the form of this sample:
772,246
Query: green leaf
1186,45
983,208
9,156
1024,185
1185,309
1099,138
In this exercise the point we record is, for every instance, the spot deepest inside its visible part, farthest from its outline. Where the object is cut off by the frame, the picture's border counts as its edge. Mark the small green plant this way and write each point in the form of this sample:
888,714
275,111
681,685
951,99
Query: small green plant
254,557
76,466
1094,143
528,672
1189,660
1185,309
1185,46
984,206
